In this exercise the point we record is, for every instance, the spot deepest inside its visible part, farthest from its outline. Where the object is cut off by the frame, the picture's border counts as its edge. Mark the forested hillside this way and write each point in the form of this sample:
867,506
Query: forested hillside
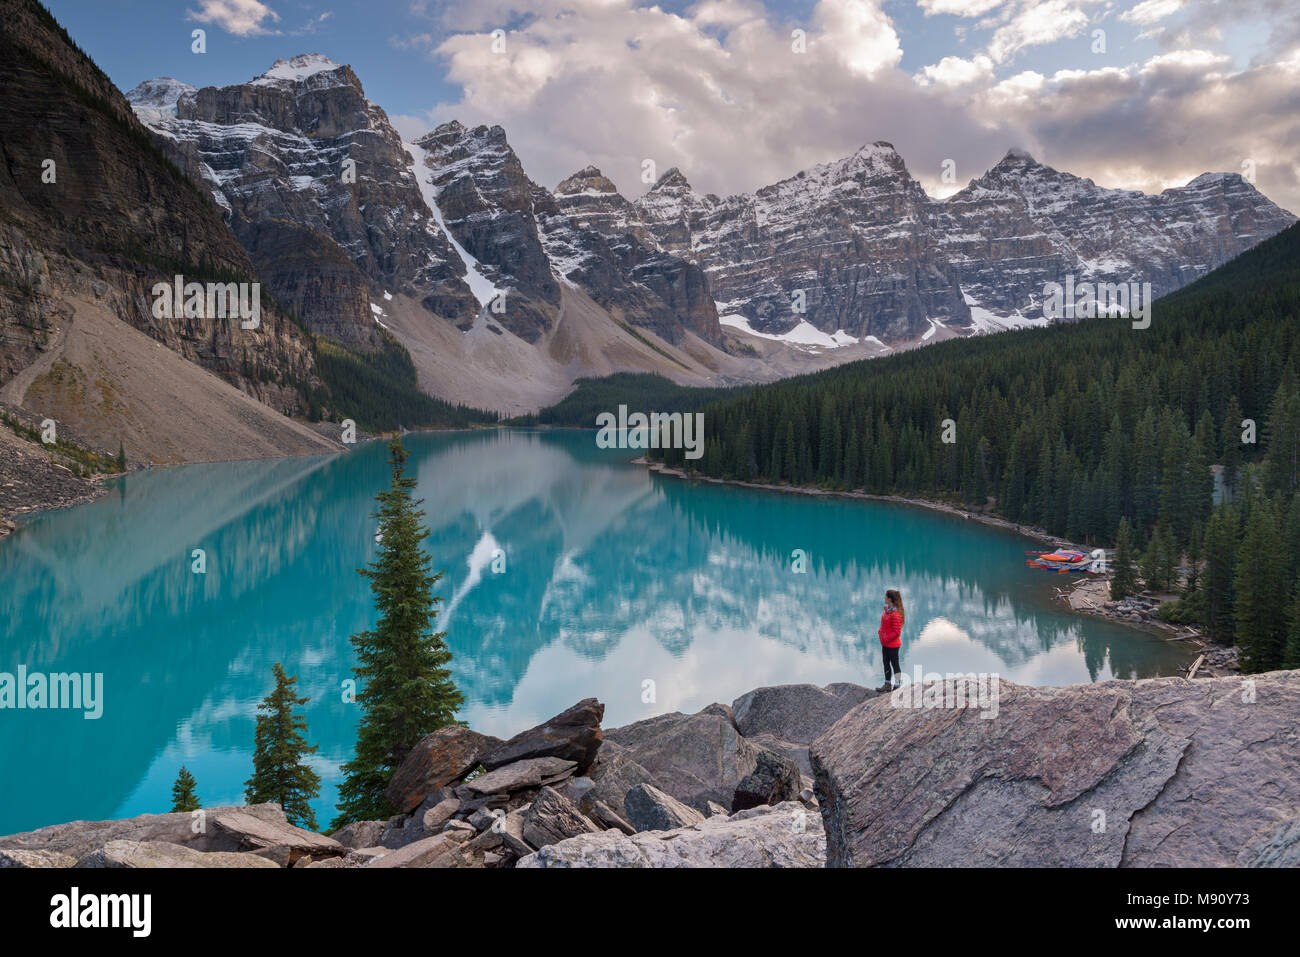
1077,428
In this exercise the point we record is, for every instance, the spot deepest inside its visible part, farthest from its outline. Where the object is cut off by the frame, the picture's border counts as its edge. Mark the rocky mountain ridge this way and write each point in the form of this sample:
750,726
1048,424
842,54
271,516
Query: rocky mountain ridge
874,255
843,260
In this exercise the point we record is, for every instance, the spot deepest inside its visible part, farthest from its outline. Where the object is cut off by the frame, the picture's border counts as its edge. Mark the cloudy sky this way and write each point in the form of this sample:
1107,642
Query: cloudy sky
1142,94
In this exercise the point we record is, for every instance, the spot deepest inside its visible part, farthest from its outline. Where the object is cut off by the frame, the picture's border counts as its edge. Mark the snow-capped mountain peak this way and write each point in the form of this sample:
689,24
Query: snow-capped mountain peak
296,69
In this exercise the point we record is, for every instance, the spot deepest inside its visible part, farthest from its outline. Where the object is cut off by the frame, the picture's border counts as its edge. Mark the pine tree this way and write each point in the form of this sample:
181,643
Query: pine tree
183,796
1262,594
1291,654
279,774
407,689
1123,574
1217,577
1231,433
121,457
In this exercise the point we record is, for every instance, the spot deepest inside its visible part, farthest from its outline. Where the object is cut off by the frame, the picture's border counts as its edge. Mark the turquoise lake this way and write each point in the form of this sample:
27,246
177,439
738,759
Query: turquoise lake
613,577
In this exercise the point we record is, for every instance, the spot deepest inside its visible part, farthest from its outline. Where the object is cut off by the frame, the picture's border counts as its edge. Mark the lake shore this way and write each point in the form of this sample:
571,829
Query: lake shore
1088,595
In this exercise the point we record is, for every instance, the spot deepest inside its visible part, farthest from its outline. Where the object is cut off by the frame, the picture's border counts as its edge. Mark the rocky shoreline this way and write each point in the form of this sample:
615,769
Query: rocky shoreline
1184,773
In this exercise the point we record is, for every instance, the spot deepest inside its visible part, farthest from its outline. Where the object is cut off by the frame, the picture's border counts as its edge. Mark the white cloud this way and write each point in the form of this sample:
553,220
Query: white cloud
717,91
1035,25
1150,11
244,18
955,71
958,8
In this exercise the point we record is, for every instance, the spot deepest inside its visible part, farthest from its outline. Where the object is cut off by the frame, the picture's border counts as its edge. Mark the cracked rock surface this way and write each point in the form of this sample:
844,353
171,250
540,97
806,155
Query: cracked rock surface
1152,773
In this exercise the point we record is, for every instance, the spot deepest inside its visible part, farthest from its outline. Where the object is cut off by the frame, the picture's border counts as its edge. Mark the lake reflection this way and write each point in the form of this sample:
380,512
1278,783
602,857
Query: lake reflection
613,577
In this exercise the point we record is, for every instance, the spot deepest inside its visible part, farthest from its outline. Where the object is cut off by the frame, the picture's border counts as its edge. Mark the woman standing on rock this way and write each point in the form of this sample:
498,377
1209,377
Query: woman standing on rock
891,630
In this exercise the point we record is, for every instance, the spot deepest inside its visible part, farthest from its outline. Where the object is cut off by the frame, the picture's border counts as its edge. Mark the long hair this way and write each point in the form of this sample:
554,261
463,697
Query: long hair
896,600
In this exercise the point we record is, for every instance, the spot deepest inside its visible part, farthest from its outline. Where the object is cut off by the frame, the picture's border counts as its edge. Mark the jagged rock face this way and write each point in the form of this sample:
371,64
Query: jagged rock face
625,269
849,241
116,220
1023,224
487,203
278,153
875,255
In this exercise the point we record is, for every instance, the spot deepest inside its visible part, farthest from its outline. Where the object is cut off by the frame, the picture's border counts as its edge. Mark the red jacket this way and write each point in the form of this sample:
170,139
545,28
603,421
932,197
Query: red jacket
891,628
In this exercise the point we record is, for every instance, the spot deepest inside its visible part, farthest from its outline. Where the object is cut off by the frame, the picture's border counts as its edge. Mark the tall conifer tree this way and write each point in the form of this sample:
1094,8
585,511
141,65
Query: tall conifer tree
279,774
406,687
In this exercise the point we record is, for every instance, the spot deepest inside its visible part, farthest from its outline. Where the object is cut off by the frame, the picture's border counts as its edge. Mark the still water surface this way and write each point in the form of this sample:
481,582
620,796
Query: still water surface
612,577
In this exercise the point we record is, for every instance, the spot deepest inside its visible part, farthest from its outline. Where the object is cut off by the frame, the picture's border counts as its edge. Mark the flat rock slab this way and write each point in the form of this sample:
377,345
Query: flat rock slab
530,773
785,835
1161,772
437,851
252,833
574,735
79,838
146,854
440,758
20,859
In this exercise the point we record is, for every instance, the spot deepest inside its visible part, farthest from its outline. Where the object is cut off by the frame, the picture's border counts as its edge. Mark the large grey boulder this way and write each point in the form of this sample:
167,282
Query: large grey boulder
775,779
788,718
786,835
614,773
146,854
696,758
360,833
649,809
552,817
573,735
1160,772
440,758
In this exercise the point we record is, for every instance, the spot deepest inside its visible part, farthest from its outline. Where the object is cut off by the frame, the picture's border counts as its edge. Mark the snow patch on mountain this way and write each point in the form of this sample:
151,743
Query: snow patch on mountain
296,69
483,288
804,334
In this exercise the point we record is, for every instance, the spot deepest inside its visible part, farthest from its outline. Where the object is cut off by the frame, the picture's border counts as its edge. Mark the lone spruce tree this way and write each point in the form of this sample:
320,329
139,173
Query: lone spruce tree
406,687
183,796
279,774
1123,572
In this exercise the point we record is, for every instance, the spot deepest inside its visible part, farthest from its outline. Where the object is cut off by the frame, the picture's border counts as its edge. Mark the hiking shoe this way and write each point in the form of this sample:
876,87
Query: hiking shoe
885,687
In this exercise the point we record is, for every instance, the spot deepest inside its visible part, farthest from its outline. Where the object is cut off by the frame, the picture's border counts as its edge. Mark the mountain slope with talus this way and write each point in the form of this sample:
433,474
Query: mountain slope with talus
92,216
445,234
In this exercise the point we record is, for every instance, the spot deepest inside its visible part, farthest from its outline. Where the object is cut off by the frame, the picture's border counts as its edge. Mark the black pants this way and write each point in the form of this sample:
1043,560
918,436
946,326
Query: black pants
891,659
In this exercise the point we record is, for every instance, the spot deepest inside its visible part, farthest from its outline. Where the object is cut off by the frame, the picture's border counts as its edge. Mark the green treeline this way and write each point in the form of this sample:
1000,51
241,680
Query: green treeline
379,390
639,391
1076,427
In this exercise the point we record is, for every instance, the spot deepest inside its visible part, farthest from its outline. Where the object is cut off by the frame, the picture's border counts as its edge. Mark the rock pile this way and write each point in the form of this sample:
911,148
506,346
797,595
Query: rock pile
1134,608
675,790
